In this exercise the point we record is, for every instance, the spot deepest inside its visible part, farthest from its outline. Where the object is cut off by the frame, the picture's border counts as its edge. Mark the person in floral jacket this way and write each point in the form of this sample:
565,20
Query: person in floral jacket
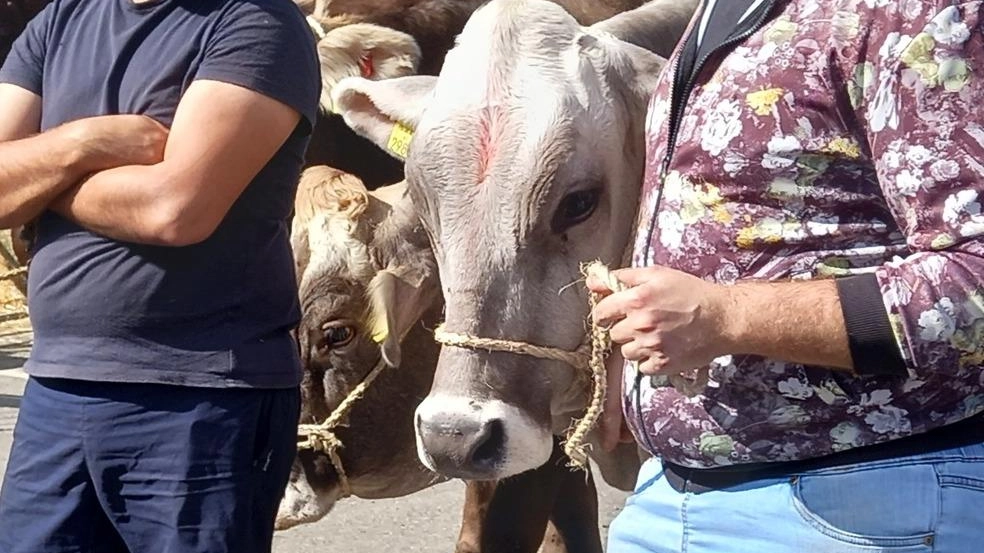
812,240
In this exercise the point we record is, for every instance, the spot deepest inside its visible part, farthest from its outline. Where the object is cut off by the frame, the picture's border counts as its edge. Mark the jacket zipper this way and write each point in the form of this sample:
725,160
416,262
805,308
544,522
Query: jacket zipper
676,112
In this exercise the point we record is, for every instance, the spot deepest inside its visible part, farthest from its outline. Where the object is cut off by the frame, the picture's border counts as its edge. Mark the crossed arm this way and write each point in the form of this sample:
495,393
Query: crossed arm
128,178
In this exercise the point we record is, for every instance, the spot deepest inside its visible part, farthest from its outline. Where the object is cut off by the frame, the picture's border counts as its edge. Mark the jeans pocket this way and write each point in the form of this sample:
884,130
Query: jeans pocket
892,507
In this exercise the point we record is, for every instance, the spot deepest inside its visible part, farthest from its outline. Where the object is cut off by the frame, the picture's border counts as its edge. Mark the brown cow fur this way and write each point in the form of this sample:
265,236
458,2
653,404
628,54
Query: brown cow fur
553,505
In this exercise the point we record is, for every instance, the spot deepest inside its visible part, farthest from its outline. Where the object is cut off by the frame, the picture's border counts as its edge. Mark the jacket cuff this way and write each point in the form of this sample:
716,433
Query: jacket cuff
874,349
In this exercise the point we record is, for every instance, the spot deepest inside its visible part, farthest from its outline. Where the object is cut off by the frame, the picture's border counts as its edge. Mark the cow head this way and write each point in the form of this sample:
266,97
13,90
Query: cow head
364,50
366,278
526,160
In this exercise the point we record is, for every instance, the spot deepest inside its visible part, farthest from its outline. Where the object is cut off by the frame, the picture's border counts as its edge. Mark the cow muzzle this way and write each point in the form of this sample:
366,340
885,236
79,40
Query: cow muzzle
478,440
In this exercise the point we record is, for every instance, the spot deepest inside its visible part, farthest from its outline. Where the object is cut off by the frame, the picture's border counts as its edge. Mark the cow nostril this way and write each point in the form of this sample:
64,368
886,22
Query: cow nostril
490,445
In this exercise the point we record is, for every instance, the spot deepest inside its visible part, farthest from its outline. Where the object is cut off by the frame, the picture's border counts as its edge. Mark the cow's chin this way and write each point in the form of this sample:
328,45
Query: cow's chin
301,504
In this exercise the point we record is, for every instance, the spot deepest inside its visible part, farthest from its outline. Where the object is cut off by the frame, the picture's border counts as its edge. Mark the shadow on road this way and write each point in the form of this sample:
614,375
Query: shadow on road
7,400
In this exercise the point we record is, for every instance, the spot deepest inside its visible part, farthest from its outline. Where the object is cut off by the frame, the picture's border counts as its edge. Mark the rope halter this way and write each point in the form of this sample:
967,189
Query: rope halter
322,437
589,357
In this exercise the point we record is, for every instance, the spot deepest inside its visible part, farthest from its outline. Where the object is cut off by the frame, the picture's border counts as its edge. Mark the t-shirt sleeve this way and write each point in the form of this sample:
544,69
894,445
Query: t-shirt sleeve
24,65
268,48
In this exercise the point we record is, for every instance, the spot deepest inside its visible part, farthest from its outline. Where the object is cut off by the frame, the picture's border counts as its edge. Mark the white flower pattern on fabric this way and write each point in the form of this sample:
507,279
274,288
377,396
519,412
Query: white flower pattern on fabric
939,323
823,150
723,125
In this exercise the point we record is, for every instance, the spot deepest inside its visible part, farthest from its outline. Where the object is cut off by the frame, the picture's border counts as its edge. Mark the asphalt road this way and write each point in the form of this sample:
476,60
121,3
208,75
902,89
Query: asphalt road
426,522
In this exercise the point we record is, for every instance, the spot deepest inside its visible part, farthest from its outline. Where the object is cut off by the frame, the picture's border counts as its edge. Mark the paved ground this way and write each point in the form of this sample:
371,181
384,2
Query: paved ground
426,522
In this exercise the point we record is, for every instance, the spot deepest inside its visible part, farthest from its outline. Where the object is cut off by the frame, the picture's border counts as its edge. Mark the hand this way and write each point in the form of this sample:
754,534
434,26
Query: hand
667,320
116,140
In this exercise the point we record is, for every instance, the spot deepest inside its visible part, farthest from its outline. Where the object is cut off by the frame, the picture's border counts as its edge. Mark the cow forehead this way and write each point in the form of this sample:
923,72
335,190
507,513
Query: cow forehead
503,106
335,251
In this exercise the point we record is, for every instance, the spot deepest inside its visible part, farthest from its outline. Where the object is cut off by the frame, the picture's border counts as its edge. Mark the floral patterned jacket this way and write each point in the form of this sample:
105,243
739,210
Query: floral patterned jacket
842,137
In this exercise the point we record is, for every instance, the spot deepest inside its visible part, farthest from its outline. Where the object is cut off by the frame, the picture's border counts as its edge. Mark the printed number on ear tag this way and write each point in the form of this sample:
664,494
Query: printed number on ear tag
399,140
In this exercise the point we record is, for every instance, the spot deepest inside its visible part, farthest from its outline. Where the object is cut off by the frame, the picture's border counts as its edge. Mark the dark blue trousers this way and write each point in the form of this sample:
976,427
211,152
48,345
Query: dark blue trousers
139,468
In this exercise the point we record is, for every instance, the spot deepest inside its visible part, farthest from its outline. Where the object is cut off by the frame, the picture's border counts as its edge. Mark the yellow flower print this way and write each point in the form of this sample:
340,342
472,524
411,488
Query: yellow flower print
762,101
746,238
918,55
942,241
919,49
845,146
781,31
722,215
695,199
709,195
768,231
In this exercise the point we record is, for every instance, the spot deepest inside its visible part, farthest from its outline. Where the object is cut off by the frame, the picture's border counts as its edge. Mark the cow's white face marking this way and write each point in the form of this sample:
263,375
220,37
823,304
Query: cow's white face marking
301,504
527,444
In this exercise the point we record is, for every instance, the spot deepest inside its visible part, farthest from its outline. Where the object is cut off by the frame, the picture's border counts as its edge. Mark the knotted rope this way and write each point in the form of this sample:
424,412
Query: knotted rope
322,437
588,357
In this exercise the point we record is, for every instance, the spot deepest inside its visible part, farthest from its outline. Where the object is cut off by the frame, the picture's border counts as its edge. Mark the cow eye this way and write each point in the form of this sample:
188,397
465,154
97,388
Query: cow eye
336,335
576,208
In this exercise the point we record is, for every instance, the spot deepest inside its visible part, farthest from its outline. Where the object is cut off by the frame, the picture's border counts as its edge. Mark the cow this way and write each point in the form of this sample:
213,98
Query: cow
526,160
369,290
389,34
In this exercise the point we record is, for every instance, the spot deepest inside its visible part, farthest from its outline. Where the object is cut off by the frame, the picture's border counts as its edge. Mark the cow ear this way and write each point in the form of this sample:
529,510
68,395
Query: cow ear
364,49
398,299
386,112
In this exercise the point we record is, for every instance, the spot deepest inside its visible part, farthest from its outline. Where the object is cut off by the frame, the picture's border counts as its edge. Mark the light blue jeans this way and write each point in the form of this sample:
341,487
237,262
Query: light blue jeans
931,503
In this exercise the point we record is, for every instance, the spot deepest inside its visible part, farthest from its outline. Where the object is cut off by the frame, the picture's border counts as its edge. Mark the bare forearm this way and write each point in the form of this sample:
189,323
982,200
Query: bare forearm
130,204
798,322
34,171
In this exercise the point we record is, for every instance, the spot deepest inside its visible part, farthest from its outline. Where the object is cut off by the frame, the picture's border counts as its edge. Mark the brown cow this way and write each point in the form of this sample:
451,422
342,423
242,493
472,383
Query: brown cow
362,261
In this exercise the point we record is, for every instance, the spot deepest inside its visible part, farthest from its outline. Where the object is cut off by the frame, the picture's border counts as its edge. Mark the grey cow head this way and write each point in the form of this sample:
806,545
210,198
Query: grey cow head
526,160
367,280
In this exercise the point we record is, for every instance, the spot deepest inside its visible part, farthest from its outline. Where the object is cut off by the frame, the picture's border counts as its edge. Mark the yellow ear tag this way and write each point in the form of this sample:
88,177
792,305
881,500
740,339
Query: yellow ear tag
380,331
399,140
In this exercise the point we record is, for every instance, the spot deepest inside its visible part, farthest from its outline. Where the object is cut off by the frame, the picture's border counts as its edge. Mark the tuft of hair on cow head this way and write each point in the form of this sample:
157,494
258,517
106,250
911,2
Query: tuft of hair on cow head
385,112
327,221
364,50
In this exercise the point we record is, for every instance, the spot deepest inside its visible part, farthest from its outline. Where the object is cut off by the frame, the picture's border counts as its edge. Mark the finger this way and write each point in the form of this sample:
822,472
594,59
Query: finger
597,285
636,325
611,418
636,276
655,364
634,351
613,308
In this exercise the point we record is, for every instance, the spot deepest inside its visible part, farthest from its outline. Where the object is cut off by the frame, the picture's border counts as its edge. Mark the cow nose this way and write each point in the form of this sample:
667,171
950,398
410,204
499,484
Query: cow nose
462,445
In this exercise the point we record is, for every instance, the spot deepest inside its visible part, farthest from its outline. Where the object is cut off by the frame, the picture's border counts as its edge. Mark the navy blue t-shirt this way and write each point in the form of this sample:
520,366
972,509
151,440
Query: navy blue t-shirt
215,314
